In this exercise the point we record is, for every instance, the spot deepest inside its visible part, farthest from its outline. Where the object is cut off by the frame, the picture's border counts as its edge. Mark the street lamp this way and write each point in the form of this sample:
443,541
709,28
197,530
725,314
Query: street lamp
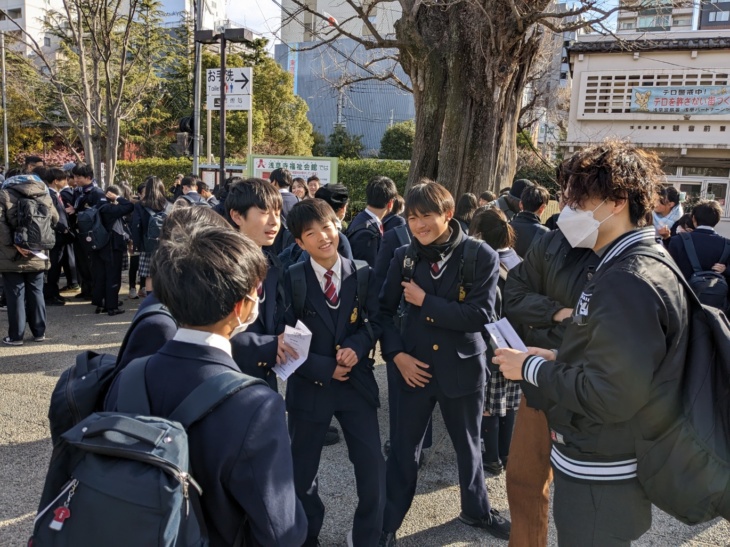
224,35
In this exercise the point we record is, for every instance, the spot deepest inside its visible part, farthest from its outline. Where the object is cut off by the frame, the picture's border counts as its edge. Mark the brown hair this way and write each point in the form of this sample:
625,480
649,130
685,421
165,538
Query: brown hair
491,226
429,197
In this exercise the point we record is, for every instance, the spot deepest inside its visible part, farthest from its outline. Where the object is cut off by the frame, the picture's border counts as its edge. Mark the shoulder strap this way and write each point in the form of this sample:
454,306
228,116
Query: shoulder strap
132,395
362,271
298,281
725,253
661,256
409,263
689,248
401,232
151,211
469,263
154,309
280,293
210,394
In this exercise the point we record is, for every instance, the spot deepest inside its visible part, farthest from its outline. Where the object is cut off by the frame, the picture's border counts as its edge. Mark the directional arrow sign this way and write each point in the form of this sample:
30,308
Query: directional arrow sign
238,88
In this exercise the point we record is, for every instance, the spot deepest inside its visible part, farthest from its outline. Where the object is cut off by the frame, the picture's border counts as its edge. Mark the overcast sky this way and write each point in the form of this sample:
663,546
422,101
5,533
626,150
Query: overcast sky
261,16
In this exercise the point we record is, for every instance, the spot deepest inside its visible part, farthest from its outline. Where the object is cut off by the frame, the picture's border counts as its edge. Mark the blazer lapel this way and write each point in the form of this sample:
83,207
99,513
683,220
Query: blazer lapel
315,296
450,275
348,290
270,291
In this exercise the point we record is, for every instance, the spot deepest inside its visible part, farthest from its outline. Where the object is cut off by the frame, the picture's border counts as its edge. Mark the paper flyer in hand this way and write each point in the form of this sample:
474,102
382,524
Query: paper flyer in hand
298,337
504,335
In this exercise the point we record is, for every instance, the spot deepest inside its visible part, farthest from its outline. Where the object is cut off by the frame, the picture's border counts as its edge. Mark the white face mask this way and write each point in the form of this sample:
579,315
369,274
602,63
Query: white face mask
243,325
579,227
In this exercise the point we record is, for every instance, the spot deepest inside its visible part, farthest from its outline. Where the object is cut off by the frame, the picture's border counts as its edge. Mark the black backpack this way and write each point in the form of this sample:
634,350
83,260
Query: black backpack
467,273
129,479
502,205
709,286
686,471
92,231
34,230
401,232
154,229
79,392
298,281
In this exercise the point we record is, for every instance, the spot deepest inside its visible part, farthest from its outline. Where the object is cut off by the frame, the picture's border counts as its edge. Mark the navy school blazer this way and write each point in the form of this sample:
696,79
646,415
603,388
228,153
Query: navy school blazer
254,350
365,238
239,453
307,388
444,333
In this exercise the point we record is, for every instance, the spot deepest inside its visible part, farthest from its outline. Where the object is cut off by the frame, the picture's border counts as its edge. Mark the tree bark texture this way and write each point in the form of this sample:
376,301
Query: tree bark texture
468,63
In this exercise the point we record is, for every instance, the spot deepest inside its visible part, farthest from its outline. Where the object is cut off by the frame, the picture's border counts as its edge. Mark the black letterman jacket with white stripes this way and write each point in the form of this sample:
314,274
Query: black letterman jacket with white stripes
618,372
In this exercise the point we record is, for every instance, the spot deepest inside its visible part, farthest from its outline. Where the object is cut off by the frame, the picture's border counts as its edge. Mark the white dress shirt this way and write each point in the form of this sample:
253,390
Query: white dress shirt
202,338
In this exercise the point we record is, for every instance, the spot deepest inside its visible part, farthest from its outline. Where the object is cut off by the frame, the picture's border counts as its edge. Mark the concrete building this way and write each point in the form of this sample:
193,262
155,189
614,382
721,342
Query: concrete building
29,16
670,94
365,107
214,11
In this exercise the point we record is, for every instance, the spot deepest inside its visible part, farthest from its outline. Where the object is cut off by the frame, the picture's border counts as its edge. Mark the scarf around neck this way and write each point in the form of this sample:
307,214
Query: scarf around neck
435,253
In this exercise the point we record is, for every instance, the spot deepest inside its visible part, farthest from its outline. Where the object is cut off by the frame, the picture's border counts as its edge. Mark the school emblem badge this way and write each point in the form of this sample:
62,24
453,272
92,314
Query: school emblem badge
353,317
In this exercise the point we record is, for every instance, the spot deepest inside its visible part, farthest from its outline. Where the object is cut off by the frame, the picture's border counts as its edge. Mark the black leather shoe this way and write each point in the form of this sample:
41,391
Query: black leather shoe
387,539
332,436
82,296
493,523
98,310
55,302
493,468
115,312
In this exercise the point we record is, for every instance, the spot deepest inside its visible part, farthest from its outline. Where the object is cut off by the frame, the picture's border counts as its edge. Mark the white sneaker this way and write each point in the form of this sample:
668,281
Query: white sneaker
8,342
133,294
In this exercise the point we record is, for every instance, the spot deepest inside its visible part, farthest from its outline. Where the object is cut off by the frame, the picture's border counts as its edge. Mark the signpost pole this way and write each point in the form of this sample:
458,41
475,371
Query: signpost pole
250,117
223,110
209,141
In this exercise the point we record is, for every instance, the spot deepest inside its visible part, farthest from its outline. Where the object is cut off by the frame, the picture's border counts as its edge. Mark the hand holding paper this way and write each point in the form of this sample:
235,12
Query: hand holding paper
298,339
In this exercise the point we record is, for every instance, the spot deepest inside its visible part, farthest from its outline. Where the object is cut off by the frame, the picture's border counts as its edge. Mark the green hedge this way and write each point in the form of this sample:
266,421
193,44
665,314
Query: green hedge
355,174
135,172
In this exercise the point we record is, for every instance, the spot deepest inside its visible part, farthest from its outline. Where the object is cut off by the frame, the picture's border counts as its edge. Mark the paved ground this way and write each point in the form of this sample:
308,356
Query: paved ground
29,373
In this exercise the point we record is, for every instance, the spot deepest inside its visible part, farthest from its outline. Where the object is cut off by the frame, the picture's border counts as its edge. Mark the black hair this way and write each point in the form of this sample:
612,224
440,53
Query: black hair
114,189
13,172
202,186
221,190
707,213
183,217
313,177
669,194
336,195
465,207
491,226
282,177
32,159
307,212
42,173
429,197
398,205
83,170
380,191
191,181
534,197
154,194
202,271
253,192
55,174
488,196
140,187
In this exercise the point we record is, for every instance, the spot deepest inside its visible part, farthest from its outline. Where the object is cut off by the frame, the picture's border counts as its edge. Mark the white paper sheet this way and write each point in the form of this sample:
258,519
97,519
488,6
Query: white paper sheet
40,254
504,335
299,337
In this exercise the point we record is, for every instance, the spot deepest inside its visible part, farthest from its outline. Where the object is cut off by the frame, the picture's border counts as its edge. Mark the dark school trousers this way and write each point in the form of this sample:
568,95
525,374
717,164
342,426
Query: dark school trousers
462,417
393,390
107,272
83,267
609,515
359,423
24,296
51,289
69,265
529,475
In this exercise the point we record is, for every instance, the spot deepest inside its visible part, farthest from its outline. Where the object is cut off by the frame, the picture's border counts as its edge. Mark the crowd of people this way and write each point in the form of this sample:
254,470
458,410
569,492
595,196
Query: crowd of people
421,276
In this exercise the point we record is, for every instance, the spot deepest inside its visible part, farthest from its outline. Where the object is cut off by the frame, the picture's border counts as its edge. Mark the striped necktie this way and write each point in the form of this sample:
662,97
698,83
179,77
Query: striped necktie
330,292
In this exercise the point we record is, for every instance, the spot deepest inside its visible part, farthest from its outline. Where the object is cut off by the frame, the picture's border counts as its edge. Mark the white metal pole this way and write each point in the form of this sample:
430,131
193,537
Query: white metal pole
197,92
250,118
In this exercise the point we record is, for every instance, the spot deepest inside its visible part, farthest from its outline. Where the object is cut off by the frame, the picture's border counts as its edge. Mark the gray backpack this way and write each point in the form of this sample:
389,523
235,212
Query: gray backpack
34,230
129,482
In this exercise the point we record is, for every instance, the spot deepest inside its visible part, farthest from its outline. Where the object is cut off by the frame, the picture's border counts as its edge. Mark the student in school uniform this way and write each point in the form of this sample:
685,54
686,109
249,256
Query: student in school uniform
440,356
366,229
337,377
255,207
207,276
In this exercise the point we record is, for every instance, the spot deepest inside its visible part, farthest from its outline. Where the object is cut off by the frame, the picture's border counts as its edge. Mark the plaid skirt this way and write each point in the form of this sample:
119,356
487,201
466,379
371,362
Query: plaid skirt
144,264
125,260
501,395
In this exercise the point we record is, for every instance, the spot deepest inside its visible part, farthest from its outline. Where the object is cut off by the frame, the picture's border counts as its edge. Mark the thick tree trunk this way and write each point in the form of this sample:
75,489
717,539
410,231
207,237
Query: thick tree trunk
468,65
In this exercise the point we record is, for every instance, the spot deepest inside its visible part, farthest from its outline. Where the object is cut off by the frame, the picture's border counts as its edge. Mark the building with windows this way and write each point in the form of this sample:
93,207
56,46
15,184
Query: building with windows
27,15
674,15
175,11
670,93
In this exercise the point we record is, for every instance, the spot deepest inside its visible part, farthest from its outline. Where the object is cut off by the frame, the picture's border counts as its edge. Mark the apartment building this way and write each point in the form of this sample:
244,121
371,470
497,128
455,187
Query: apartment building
669,93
